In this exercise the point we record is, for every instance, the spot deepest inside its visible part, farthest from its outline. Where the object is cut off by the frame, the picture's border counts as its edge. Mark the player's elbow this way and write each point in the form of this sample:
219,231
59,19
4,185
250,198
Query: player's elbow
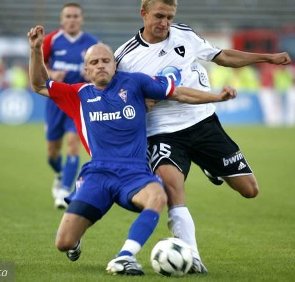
35,87
39,88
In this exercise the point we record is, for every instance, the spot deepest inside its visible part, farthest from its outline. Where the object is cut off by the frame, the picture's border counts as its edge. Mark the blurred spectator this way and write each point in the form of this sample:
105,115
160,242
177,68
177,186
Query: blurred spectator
266,75
243,79
18,76
283,79
220,76
290,100
3,75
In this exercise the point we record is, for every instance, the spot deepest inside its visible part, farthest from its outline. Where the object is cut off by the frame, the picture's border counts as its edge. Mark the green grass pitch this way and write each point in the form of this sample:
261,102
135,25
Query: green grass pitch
239,239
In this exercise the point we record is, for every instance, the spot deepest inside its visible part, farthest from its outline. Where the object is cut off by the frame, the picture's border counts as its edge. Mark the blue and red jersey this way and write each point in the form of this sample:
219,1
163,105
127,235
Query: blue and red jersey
62,52
111,122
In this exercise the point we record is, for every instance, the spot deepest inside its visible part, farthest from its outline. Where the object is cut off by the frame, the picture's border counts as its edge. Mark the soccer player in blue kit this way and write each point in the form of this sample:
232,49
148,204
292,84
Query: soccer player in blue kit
109,114
64,51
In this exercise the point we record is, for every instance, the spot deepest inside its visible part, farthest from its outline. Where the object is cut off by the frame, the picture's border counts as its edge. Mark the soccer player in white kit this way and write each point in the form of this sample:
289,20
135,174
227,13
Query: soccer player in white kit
180,133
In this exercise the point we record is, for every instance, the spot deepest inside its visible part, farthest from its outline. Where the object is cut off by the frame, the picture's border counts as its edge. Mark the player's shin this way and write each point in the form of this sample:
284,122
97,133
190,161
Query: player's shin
182,226
140,231
70,171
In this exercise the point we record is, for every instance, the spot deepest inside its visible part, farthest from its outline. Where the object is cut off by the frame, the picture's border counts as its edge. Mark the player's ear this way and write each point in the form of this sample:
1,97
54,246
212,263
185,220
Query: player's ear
143,12
85,66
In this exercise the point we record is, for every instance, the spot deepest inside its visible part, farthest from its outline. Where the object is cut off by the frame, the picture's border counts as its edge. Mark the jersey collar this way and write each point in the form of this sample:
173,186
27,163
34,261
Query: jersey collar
144,43
72,39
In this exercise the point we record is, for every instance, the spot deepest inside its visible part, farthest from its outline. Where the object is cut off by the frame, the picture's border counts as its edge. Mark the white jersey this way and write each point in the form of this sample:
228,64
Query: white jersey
176,57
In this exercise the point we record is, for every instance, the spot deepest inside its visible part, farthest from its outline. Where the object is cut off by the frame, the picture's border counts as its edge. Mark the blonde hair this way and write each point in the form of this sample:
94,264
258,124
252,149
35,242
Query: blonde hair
72,4
146,4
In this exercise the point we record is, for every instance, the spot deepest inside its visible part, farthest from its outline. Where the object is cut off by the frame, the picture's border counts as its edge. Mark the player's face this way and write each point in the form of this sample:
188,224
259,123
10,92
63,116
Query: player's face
157,21
71,20
100,65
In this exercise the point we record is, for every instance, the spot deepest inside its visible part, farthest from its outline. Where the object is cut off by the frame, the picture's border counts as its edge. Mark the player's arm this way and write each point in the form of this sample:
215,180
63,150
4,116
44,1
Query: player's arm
37,69
194,96
163,87
235,58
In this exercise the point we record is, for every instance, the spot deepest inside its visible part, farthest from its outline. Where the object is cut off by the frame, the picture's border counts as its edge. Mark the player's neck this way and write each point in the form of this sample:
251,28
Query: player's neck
150,38
73,34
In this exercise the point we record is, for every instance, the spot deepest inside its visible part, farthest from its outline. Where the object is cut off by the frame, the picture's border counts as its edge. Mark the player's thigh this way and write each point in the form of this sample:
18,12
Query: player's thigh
213,149
169,149
173,180
170,160
93,196
152,196
71,229
139,188
246,185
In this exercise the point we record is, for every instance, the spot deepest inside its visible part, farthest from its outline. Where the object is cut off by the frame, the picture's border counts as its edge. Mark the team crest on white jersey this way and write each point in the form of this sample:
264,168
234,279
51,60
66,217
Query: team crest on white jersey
173,73
123,95
180,50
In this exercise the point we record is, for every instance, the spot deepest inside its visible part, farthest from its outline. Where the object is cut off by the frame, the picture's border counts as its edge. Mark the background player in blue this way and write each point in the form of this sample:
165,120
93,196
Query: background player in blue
64,51
109,114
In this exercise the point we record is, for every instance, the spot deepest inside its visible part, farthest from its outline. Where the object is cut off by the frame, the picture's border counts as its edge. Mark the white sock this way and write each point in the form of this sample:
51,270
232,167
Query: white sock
181,225
131,246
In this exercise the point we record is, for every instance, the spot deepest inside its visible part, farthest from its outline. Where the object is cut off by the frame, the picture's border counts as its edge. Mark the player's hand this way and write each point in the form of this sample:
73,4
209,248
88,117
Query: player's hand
150,103
280,58
227,93
36,36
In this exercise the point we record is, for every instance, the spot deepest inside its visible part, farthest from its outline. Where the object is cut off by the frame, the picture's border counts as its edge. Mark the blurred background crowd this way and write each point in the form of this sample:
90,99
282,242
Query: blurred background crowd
248,25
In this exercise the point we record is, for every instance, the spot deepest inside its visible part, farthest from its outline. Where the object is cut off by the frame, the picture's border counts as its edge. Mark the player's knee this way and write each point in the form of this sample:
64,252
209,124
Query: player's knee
162,198
251,191
64,244
73,145
159,199
247,186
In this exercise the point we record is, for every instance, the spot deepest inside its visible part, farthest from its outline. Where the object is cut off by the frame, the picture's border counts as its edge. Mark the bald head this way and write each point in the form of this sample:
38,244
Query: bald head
100,65
96,49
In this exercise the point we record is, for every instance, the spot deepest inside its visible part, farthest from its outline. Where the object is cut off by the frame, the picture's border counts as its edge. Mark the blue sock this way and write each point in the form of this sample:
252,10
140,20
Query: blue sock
70,171
125,253
55,163
142,228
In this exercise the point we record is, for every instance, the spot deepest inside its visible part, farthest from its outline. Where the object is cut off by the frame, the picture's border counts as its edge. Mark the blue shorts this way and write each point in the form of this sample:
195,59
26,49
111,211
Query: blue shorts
57,122
101,184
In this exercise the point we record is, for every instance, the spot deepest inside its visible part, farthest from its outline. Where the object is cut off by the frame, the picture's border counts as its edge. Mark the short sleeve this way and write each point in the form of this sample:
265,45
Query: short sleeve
65,96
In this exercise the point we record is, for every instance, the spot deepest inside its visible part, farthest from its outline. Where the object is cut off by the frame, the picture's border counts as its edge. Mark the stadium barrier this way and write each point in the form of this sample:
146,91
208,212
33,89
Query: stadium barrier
245,109
19,106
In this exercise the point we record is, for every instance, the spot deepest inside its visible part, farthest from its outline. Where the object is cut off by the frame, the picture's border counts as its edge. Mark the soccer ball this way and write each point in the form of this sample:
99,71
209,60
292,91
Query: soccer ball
171,257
